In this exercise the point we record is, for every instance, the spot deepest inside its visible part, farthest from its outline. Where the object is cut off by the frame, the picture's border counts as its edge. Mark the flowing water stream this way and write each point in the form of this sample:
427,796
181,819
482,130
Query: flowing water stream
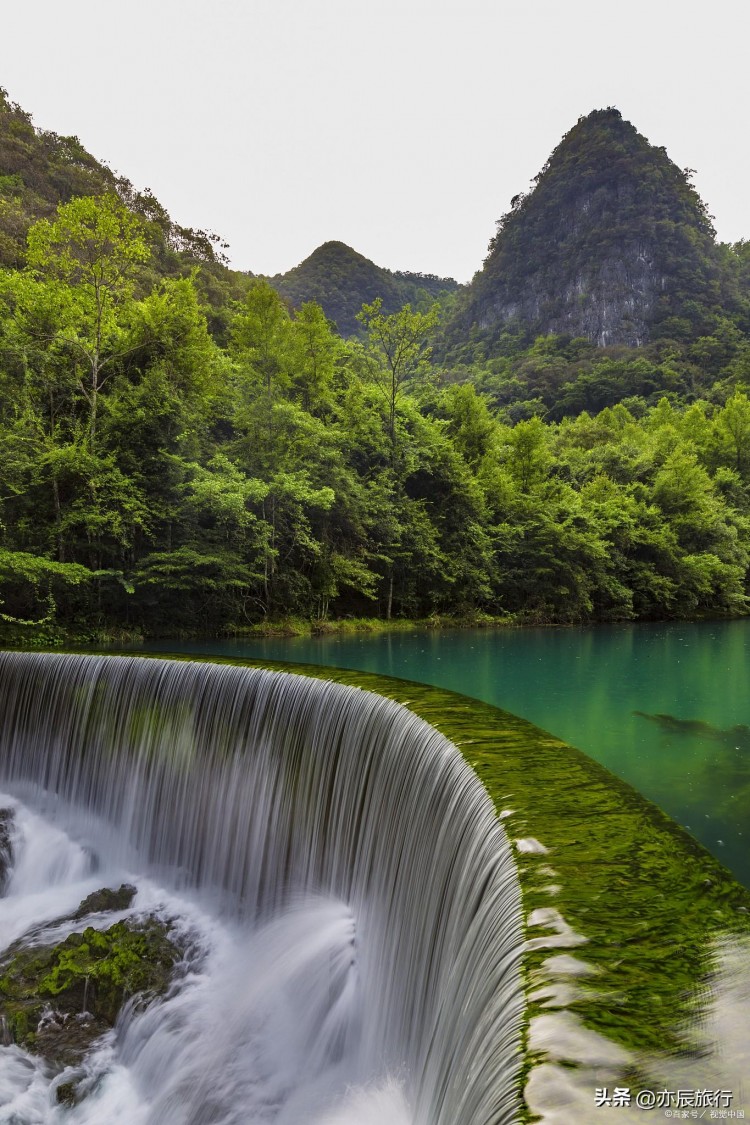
346,899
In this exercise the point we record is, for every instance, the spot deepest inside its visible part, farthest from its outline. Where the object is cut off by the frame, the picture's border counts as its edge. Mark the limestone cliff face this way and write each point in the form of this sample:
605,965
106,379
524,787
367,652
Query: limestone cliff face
610,302
610,243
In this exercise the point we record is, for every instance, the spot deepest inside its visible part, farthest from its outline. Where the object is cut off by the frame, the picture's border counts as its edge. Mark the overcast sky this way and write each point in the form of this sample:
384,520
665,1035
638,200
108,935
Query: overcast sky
402,128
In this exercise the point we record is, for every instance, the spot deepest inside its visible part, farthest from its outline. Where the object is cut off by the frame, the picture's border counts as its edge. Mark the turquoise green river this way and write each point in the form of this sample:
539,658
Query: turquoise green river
664,706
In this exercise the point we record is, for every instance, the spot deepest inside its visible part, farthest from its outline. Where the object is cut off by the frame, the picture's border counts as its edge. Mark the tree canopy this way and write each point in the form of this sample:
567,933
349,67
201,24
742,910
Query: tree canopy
185,449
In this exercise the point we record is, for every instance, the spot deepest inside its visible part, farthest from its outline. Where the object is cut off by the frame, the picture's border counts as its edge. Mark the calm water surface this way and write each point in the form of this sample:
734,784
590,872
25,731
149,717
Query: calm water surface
664,706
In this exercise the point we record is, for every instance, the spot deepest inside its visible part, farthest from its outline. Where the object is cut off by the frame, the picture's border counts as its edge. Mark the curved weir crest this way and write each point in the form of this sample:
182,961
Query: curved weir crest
358,899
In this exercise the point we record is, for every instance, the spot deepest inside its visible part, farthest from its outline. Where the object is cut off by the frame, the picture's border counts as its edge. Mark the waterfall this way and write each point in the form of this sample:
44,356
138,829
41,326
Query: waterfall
359,894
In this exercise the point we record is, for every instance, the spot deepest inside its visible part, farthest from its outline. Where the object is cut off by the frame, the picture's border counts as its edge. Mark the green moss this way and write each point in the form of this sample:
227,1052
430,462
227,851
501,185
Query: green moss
106,899
94,972
114,964
20,1026
67,1093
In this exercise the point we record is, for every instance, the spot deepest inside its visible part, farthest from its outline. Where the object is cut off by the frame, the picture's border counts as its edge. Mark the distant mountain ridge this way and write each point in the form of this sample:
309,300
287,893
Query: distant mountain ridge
613,243
341,281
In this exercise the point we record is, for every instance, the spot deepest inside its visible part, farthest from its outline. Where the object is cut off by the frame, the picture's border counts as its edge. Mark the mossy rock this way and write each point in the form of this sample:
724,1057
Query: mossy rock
6,849
106,900
68,1093
57,999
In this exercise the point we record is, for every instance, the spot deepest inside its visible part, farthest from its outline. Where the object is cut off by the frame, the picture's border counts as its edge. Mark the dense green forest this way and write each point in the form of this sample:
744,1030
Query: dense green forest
184,451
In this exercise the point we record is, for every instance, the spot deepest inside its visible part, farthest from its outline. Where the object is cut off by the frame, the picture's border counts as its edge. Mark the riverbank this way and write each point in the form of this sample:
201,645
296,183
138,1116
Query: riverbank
17,636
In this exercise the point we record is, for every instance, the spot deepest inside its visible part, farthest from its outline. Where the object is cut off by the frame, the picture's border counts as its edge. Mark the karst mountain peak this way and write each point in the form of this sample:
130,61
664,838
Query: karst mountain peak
610,243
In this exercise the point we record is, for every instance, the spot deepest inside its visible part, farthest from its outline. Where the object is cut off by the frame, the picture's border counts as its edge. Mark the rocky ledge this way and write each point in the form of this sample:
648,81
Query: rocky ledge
57,998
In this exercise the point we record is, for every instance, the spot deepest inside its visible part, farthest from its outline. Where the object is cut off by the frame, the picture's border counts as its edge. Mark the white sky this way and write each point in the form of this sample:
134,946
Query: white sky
402,128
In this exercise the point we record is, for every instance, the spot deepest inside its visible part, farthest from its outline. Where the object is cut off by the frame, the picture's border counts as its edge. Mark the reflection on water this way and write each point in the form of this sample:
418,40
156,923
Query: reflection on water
592,687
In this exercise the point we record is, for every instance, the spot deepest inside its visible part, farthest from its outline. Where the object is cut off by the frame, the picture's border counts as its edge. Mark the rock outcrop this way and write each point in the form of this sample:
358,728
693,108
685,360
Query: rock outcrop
58,997
6,847
613,243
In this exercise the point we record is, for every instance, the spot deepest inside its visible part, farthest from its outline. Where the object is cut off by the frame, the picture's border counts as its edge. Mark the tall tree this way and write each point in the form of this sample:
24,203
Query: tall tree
261,333
398,350
86,259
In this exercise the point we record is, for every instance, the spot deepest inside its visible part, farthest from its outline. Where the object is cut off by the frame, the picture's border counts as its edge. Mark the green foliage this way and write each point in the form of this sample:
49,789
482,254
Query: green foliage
32,586
293,474
94,243
38,170
182,452
397,350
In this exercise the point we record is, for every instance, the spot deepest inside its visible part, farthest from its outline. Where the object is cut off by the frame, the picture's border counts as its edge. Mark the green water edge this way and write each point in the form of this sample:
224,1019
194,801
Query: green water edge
637,911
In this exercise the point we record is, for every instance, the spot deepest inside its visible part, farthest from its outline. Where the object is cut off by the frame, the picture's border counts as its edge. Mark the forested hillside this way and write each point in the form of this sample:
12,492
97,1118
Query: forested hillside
340,280
182,451
39,170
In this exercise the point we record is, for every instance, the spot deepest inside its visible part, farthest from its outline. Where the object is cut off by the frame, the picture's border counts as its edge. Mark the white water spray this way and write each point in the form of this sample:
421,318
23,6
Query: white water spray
350,896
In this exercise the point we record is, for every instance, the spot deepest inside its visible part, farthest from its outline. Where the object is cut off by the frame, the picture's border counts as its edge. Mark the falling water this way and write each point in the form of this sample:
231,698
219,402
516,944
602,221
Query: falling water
351,896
